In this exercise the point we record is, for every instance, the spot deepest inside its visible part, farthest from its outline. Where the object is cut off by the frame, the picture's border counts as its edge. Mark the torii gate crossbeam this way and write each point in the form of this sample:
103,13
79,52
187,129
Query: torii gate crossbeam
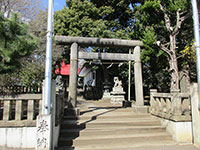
106,56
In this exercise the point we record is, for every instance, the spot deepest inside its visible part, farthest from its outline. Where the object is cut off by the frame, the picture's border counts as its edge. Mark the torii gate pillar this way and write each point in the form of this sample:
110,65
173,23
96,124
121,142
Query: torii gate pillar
138,78
73,75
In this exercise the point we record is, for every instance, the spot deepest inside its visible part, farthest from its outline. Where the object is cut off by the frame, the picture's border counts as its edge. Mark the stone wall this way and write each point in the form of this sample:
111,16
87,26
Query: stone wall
22,137
180,131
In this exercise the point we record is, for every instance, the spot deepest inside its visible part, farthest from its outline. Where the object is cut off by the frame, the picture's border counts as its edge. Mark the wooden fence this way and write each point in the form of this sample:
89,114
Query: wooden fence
173,106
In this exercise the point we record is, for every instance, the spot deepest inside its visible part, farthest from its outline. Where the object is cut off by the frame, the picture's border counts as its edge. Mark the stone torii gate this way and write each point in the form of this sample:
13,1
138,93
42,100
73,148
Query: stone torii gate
75,42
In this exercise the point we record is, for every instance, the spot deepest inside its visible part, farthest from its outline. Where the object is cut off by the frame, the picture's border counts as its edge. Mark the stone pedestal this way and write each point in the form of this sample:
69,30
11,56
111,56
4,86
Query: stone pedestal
106,88
140,109
117,94
106,95
117,99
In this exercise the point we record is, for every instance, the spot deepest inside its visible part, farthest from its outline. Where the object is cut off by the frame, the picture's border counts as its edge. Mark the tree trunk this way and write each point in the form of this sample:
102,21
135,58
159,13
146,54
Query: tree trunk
174,64
174,73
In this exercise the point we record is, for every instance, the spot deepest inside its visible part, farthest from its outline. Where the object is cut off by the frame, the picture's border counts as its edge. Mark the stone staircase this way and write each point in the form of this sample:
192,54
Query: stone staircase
110,128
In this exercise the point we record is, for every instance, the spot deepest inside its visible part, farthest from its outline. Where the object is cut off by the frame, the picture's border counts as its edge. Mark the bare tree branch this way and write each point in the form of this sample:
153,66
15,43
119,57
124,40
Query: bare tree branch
165,49
167,19
181,56
27,8
179,20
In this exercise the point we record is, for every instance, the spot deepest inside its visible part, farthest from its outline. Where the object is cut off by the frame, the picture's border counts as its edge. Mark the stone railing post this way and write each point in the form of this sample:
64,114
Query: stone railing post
59,106
7,110
42,107
18,111
31,110
138,78
73,75
195,113
176,103
62,105
53,110
152,100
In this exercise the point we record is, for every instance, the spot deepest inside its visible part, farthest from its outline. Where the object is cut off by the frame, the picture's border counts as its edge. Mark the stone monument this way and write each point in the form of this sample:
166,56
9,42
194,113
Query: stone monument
117,94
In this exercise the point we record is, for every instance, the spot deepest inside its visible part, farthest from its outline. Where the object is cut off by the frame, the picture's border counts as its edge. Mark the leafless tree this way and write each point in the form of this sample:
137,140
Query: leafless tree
26,8
171,47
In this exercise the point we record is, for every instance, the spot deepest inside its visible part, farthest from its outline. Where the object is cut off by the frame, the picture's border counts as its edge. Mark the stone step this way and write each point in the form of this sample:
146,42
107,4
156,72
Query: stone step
108,117
74,133
113,134
144,147
102,126
111,120
107,113
116,124
116,142
112,108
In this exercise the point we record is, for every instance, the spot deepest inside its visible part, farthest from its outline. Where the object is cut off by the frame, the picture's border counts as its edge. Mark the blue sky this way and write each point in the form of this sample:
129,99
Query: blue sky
58,4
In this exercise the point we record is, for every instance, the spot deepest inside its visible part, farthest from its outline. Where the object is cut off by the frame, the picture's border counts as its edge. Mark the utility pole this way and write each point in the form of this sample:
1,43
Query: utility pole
197,41
48,61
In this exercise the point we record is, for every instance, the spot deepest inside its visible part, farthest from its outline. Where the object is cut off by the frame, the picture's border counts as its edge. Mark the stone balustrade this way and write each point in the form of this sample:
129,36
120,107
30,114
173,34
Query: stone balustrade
4,90
21,110
173,106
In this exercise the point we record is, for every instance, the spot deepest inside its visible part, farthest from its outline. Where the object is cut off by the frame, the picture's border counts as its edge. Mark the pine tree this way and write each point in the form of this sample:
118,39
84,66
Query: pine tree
15,43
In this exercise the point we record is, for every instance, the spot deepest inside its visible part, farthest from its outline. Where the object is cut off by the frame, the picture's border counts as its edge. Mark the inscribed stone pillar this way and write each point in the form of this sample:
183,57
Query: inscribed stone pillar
195,114
73,75
44,132
138,78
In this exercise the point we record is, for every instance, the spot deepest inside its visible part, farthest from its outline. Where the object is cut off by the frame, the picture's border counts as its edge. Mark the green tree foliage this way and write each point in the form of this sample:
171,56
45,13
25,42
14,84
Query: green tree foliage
155,63
161,25
31,29
16,43
94,19
165,31
82,18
